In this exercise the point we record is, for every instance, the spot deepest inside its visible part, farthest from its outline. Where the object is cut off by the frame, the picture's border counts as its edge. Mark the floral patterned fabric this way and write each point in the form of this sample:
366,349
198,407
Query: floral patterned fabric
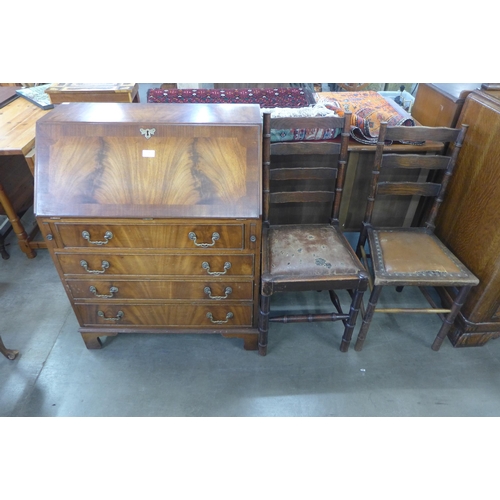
368,109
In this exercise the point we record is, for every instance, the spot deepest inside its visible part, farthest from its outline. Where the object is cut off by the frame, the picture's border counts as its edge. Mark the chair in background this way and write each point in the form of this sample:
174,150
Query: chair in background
413,256
310,253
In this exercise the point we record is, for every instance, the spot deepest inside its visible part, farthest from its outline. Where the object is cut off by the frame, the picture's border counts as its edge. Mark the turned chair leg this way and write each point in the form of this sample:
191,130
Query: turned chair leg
351,321
8,353
265,306
367,318
450,318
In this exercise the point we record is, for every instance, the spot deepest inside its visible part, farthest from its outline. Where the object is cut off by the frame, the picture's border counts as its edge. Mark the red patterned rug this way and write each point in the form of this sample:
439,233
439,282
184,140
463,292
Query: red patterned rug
284,97
368,109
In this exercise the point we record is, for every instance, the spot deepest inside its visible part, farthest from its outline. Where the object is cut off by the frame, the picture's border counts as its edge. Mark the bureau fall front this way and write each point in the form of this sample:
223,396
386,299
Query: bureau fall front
152,215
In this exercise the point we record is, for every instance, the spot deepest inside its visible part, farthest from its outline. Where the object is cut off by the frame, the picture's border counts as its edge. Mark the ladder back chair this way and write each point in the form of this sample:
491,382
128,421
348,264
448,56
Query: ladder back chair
413,256
300,255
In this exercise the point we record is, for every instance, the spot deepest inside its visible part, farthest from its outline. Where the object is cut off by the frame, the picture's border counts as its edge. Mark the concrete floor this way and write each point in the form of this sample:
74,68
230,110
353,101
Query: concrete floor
304,373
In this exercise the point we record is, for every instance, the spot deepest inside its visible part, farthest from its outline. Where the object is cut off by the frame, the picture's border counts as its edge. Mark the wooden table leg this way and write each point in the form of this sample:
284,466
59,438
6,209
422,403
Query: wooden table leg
8,353
22,236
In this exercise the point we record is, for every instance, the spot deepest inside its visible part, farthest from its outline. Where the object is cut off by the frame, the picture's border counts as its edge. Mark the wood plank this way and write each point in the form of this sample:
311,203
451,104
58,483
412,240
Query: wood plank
17,126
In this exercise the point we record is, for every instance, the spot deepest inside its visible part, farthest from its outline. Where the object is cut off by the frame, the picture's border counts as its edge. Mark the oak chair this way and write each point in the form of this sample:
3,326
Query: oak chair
310,253
413,256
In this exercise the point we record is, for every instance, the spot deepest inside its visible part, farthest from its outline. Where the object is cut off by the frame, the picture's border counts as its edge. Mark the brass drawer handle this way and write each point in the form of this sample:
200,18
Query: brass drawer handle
112,291
206,265
104,264
107,236
229,315
227,291
215,237
119,316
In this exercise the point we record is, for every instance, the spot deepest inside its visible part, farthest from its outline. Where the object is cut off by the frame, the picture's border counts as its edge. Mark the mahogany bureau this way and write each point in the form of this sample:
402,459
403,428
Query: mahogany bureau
152,215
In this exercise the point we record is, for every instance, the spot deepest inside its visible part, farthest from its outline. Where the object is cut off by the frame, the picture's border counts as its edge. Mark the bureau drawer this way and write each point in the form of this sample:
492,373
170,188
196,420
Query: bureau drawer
156,264
159,289
151,236
165,315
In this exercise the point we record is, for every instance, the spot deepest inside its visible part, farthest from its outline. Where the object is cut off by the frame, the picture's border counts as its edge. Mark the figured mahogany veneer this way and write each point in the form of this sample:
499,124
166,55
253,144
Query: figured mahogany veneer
152,215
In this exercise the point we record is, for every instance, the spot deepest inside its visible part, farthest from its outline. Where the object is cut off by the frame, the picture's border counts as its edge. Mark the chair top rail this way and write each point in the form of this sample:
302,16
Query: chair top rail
420,134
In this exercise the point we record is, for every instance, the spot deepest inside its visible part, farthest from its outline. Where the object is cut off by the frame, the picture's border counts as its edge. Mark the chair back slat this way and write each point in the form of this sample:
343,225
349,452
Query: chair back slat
286,174
316,181
408,188
428,162
433,189
303,197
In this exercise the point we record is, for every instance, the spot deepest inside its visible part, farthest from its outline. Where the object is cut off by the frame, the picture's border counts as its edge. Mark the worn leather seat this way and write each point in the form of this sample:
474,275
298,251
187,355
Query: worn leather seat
316,252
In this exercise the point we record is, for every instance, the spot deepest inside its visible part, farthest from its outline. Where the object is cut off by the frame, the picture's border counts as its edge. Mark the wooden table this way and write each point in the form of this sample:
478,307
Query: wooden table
93,92
17,141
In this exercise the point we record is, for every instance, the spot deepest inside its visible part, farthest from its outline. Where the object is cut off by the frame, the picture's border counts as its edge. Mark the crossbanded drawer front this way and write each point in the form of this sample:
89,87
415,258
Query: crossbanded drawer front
176,236
102,290
156,264
192,315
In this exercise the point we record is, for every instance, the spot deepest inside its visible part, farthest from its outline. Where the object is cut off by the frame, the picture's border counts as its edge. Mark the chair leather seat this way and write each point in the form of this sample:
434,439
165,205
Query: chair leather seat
315,251
414,252
405,252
